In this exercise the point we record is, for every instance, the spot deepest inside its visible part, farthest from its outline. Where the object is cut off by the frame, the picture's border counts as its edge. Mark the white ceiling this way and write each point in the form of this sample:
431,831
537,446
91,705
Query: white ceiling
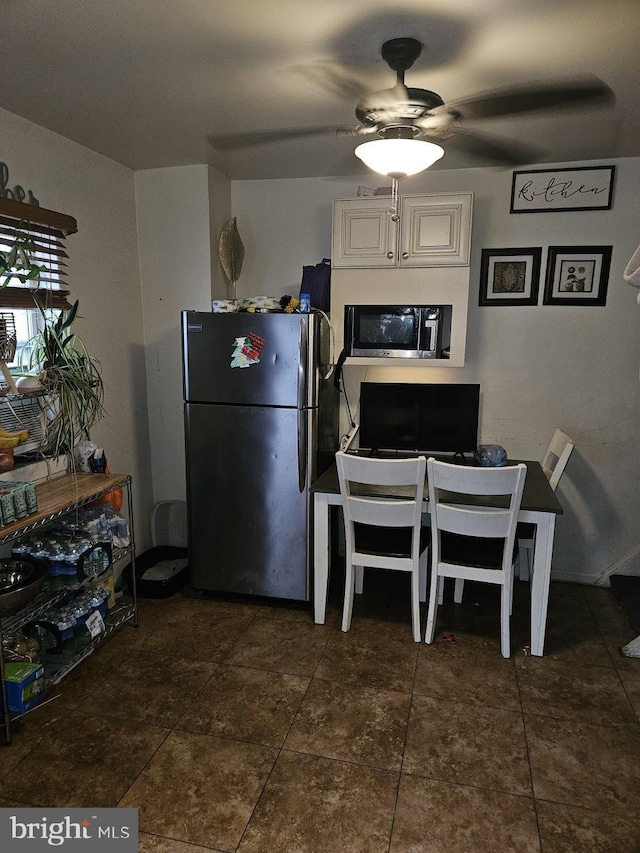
145,82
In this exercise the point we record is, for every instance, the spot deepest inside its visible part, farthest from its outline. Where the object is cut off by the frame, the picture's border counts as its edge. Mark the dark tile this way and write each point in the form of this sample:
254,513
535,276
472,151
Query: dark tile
246,704
567,601
351,723
209,635
467,744
469,670
83,762
283,646
571,830
582,764
631,684
156,844
152,688
577,642
589,694
285,610
200,789
616,639
316,804
477,618
605,607
372,654
437,817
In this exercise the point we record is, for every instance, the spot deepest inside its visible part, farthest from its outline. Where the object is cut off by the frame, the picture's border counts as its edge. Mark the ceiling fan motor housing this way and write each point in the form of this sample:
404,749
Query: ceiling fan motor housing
398,106
401,53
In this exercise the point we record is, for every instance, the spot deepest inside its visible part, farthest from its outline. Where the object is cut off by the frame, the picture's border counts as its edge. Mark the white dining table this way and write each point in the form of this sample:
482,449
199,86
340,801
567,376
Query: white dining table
540,506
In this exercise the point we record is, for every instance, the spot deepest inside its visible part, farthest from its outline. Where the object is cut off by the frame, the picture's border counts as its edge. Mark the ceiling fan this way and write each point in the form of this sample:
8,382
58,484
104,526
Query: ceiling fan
407,113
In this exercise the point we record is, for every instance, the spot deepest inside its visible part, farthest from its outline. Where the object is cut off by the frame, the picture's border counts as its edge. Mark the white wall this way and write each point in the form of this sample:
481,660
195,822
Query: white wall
540,367
174,237
104,277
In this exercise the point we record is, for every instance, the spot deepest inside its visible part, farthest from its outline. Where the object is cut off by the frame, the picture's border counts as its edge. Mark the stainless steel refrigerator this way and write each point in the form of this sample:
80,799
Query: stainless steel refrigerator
260,426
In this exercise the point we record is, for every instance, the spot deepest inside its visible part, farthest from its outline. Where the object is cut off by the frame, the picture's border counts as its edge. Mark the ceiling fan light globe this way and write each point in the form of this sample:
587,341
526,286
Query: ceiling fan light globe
399,157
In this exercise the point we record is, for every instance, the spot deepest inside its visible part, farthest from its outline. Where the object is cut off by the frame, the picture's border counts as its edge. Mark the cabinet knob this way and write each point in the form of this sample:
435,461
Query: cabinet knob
405,255
390,255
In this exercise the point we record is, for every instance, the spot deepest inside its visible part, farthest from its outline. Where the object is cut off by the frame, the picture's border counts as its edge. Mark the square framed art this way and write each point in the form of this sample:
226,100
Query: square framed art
510,276
577,275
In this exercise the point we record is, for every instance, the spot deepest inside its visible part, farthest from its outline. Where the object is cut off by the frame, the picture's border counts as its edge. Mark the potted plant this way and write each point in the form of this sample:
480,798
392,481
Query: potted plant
17,260
71,378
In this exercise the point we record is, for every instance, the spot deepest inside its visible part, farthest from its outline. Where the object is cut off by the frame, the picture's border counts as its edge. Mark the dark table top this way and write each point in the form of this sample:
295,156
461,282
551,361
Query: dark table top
538,495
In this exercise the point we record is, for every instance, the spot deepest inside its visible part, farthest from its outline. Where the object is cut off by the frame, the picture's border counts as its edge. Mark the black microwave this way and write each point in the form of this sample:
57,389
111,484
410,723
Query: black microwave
393,331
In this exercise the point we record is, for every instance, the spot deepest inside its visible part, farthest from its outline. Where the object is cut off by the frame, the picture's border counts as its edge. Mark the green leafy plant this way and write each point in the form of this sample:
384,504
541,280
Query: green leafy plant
17,261
70,376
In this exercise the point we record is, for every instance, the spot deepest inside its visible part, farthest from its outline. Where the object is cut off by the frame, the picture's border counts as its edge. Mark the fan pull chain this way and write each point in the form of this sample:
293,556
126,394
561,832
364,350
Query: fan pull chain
393,210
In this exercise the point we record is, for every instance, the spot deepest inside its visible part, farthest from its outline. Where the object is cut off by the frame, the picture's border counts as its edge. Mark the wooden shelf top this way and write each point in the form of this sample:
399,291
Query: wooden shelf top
61,494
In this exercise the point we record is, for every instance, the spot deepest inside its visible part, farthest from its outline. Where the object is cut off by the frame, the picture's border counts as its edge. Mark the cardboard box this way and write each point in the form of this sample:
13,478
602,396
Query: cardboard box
24,684
108,584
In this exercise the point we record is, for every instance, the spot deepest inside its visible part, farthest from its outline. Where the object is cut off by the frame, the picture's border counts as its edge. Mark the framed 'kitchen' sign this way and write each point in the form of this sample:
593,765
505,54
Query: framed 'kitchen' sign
539,191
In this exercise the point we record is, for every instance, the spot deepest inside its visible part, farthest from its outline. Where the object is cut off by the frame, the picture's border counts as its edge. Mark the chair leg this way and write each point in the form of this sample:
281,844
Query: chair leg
440,590
359,580
458,590
347,607
415,605
434,592
423,575
524,560
513,578
505,609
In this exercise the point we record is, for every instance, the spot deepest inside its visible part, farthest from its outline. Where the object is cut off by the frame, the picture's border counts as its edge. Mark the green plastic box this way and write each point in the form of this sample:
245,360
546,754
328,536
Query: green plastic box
24,684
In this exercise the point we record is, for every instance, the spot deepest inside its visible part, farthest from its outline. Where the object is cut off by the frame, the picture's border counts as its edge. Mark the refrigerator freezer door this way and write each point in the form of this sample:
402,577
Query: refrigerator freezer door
248,517
250,359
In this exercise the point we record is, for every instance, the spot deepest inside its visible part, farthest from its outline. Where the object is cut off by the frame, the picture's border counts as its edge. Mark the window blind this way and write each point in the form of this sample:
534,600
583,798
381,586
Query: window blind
47,230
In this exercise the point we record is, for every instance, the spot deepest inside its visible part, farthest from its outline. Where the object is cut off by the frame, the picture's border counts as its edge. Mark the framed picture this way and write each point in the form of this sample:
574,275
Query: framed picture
577,275
509,276
583,188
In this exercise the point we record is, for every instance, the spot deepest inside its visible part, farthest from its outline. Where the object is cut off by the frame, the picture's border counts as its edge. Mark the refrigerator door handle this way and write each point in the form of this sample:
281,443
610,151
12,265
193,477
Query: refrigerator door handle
302,449
303,365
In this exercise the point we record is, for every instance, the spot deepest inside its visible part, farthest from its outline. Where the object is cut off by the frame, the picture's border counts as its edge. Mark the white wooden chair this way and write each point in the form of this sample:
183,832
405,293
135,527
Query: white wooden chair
383,532
471,541
553,465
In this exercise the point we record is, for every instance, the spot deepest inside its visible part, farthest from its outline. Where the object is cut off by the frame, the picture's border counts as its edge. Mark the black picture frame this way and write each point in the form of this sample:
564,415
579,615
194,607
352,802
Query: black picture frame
577,275
510,276
556,190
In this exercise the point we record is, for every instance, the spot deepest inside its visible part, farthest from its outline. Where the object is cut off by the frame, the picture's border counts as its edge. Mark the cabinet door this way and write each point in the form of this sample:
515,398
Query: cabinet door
436,230
365,233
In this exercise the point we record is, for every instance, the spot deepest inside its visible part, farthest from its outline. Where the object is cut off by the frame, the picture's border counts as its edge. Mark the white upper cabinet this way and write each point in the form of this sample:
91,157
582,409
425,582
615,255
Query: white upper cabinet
365,233
436,230
430,231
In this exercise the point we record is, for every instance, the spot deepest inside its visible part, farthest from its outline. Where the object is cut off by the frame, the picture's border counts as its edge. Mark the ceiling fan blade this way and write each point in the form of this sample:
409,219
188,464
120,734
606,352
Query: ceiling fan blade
585,91
500,152
332,78
232,141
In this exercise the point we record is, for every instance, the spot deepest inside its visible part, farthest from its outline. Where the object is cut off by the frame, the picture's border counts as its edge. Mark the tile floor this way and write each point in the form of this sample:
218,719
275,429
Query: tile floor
244,726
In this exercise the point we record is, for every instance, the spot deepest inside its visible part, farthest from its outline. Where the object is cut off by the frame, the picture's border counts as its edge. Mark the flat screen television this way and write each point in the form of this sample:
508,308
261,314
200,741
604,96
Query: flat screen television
429,418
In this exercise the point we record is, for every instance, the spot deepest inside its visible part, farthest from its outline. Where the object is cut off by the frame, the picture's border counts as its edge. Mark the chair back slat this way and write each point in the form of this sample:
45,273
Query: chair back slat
469,480
381,513
473,521
382,472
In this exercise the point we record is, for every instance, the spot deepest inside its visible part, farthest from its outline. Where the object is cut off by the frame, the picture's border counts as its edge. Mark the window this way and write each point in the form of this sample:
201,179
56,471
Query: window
45,232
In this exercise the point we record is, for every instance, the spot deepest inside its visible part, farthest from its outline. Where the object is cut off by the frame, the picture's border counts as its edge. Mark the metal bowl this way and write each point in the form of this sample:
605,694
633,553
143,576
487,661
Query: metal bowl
20,582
